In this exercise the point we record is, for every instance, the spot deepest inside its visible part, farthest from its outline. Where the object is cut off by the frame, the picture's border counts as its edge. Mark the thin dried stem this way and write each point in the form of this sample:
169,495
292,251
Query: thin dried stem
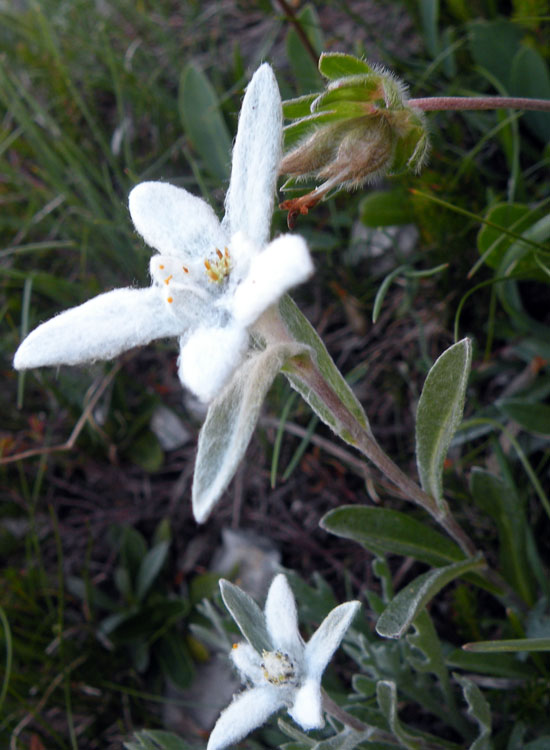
77,429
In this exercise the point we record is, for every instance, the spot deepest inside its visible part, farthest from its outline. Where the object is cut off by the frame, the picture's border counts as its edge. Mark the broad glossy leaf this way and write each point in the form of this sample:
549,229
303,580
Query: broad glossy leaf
202,121
335,65
230,422
383,530
303,332
248,616
513,645
478,709
440,412
409,602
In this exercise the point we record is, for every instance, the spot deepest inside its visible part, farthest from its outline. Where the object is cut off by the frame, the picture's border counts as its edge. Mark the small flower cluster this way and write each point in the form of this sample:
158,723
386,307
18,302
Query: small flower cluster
211,281
288,674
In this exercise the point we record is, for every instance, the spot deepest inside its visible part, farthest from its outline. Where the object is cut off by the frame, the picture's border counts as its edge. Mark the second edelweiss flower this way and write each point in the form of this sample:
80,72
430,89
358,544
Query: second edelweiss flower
211,281
284,672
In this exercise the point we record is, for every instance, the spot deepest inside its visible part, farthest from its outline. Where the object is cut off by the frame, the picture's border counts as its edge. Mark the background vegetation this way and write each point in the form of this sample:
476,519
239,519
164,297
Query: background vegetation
103,568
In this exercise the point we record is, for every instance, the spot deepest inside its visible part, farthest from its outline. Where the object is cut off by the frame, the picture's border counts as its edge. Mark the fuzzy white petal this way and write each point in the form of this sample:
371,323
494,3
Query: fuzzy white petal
101,328
256,157
284,263
247,661
282,619
248,711
307,709
208,358
175,222
327,637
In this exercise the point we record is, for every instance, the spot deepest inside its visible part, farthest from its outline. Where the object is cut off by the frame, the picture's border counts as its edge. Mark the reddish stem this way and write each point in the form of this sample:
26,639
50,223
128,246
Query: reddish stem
435,103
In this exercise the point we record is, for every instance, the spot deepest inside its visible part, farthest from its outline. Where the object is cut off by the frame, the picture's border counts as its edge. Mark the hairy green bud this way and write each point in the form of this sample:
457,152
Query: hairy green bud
358,129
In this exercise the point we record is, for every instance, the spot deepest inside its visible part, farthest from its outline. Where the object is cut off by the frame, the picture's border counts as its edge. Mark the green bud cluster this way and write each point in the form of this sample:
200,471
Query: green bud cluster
359,128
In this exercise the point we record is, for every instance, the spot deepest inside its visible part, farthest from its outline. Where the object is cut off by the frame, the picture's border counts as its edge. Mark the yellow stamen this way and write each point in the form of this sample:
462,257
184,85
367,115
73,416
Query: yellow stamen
185,269
170,299
161,268
167,281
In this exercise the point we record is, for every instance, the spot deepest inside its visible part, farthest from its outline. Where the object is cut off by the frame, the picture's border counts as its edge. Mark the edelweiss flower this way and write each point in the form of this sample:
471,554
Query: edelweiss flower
288,675
211,281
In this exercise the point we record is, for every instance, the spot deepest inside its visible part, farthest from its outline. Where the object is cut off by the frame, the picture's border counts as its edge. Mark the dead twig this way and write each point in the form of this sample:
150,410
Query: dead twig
77,429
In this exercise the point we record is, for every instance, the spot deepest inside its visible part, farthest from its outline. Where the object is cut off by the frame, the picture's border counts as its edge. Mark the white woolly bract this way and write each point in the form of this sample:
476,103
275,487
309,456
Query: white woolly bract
209,357
200,292
99,329
300,694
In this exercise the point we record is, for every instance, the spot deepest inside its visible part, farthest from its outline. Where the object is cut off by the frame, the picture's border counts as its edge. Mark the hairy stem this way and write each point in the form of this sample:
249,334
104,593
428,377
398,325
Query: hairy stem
455,103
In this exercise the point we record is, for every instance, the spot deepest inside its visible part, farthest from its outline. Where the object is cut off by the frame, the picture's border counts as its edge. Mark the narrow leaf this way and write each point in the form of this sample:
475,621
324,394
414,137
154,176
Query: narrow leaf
248,616
409,602
230,422
302,331
382,530
386,695
202,121
335,65
440,412
478,709
150,568
517,644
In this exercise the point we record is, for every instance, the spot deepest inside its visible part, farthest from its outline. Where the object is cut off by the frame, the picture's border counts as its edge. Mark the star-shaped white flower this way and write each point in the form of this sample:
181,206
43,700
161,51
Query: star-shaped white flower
211,281
288,674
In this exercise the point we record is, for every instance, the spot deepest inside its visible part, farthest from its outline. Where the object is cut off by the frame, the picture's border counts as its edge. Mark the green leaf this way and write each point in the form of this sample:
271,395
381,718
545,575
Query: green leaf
386,208
515,645
409,602
304,70
248,616
440,412
429,16
175,660
498,665
150,568
387,531
479,710
302,330
146,451
202,121
506,253
532,417
299,107
386,695
500,500
230,422
335,65
493,44
132,547
529,76
156,739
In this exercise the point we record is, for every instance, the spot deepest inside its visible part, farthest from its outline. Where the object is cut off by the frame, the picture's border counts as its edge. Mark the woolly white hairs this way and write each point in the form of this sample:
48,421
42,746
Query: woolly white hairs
287,676
211,281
